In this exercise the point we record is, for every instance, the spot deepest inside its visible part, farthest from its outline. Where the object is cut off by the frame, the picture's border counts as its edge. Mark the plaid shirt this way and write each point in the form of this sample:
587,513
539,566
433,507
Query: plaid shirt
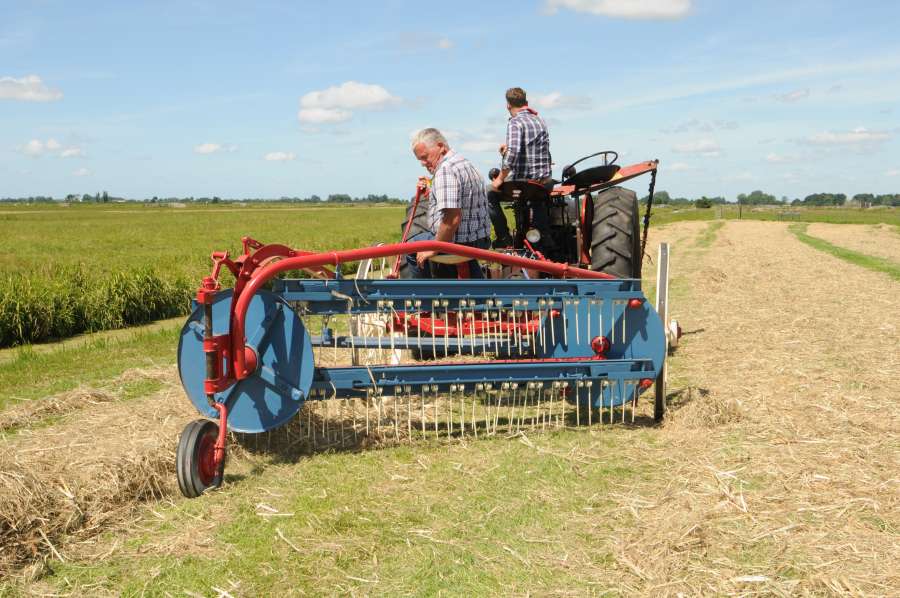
527,146
458,184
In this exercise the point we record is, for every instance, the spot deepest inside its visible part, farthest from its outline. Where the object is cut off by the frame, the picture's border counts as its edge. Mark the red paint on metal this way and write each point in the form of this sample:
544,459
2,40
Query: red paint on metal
625,173
600,345
635,303
206,459
252,279
219,449
646,383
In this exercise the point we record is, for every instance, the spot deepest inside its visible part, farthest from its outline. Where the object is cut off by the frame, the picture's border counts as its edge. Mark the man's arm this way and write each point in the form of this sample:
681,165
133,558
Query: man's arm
513,142
450,219
445,193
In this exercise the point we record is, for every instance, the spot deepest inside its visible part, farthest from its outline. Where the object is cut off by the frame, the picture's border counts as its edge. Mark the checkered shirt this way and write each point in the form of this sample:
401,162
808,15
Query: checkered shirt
527,147
458,184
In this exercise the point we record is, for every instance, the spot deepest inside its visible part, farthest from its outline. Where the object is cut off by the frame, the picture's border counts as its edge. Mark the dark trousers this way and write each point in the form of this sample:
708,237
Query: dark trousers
435,270
540,214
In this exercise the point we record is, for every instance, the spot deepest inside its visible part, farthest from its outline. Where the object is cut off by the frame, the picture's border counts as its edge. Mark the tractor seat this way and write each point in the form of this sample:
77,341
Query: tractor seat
522,189
592,176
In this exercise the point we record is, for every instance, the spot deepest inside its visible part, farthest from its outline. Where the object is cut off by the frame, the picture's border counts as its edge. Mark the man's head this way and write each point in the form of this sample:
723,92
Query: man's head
429,146
515,99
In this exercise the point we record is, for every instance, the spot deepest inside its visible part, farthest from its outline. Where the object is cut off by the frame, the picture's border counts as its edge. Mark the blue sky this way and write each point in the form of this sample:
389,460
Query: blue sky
267,99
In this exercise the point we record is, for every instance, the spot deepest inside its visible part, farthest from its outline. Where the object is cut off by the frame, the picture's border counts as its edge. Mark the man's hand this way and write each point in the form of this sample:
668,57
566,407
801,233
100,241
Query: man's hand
502,149
497,183
423,256
422,183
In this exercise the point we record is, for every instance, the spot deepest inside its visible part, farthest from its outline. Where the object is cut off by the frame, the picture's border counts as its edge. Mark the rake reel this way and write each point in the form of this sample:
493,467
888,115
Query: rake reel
421,358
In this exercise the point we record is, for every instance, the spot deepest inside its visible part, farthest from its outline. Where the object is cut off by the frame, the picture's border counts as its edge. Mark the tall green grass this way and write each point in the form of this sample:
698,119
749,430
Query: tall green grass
36,308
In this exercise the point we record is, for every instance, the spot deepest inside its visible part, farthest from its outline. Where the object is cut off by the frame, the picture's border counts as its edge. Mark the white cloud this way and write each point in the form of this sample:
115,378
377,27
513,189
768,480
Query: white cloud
624,9
702,126
72,152
279,156
27,89
213,148
444,43
323,115
33,148
81,172
893,172
705,147
335,104
680,167
859,136
36,148
555,99
792,96
207,148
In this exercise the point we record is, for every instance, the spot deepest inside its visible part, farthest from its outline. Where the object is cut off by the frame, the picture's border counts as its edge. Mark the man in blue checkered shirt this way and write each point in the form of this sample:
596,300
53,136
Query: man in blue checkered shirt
526,155
457,204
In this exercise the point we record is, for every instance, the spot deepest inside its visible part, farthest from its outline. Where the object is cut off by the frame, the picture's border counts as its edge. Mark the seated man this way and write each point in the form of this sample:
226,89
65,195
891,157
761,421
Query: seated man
457,206
526,155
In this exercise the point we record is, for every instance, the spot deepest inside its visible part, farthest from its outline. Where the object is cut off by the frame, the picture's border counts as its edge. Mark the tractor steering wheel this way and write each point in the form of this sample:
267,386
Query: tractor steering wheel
569,170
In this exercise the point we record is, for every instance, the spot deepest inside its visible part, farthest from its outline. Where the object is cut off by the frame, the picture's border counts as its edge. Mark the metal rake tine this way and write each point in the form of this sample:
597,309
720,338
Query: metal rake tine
565,322
398,396
590,402
446,327
634,399
550,309
576,302
578,386
474,425
408,390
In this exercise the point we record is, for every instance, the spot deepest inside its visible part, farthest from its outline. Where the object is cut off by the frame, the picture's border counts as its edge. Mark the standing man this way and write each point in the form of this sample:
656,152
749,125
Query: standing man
457,206
526,155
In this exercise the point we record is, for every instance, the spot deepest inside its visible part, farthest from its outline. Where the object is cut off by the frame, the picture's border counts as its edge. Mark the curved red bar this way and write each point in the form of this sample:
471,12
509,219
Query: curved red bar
263,275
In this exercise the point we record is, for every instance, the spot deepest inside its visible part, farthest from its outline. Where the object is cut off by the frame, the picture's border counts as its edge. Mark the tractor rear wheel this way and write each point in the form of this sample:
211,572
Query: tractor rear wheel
616,233
195,458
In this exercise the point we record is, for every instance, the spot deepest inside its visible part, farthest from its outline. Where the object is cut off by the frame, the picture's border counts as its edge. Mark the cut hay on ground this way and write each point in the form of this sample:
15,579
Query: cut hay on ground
880,240
66,483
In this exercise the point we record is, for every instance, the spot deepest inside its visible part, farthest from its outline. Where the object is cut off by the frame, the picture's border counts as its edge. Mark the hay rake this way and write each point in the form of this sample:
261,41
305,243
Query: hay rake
427,358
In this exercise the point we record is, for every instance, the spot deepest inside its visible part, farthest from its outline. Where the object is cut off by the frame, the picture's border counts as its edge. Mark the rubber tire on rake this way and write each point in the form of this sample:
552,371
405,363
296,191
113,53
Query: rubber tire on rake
616,233
194,458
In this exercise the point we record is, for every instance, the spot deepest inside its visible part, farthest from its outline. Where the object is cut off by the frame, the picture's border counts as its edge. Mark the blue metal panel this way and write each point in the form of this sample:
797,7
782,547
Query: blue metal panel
274,394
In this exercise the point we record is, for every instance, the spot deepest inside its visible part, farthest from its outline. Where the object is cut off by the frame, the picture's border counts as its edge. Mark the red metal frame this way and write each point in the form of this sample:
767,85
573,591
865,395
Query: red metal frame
625,173
258,265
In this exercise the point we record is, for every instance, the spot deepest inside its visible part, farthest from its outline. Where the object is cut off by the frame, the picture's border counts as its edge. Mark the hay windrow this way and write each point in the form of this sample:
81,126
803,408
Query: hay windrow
28,413
69,482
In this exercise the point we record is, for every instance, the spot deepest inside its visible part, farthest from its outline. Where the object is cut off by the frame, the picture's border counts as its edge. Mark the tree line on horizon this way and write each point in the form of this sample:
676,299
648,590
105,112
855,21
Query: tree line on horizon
760,198
754,198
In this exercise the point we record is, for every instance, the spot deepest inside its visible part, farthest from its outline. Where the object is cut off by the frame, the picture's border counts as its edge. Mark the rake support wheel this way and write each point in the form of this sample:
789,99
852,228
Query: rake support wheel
195,458
615,233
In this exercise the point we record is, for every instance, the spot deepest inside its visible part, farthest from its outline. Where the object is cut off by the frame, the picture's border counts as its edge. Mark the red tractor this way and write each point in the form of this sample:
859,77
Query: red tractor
592,221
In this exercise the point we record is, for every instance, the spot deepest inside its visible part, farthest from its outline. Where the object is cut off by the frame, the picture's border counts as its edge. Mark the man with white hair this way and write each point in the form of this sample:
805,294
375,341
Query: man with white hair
457,204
